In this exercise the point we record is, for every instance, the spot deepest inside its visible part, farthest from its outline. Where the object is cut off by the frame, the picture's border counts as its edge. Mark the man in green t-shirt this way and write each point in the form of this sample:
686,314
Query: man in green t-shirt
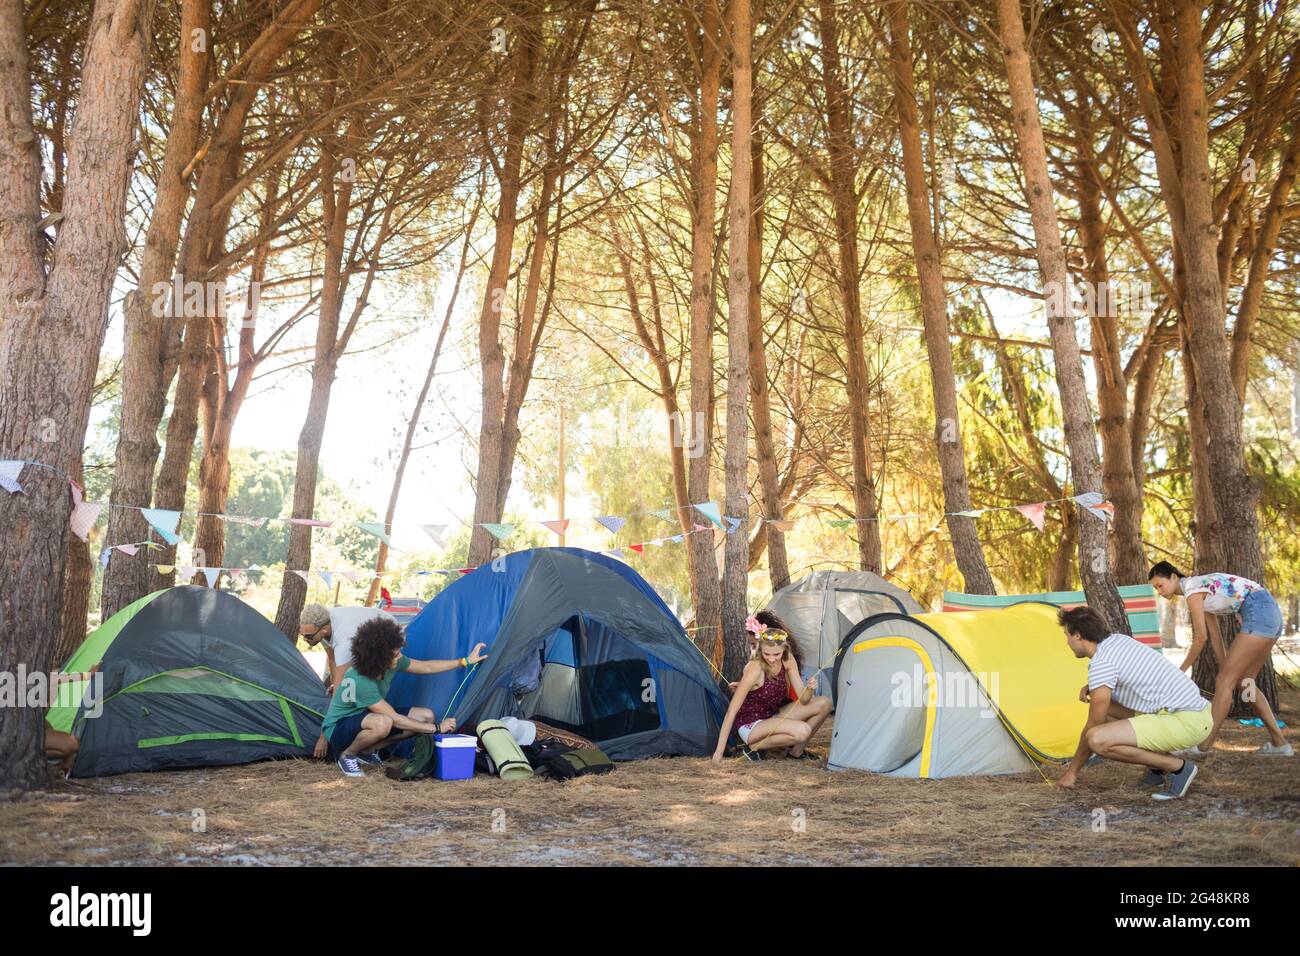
360,722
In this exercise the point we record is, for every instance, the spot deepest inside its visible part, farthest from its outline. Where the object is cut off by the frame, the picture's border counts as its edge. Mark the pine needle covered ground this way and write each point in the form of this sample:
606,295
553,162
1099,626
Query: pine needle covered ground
1242,810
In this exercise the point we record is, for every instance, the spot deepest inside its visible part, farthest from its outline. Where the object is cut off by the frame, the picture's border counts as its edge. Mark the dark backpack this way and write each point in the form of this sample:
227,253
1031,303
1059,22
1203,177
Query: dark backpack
570,763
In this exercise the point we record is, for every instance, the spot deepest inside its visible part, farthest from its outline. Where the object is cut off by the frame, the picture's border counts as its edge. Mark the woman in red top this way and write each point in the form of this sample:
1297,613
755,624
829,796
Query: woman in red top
761,711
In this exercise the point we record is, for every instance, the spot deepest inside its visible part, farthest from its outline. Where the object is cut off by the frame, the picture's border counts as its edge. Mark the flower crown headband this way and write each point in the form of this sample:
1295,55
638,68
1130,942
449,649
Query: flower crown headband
762,631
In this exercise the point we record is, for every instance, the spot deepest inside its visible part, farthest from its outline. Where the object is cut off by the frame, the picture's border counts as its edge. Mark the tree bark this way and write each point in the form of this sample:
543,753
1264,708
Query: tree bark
735,577
491,355
934,313
1094,564
1118,481
696,432
778,564
146,314
53,315
844,198
1236,529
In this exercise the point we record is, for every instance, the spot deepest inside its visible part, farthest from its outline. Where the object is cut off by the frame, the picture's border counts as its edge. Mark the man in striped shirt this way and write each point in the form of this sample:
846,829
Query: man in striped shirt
1141,708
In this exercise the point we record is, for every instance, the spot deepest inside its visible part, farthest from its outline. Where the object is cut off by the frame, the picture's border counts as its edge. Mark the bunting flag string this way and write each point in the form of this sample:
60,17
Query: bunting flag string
165,521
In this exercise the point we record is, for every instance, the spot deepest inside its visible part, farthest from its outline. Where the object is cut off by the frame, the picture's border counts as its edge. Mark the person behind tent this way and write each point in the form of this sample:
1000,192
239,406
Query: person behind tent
760,711
1260,622
1141,708
360,722
59,745
335,628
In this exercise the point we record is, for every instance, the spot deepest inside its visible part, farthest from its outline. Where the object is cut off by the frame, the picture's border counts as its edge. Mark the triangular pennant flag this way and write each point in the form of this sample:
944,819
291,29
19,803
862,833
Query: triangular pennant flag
9,472
301,574
668,514
327,577
638,548
352,576
377,529
733,523
499,531
616,553
699,527
164,568
211,574
711,511
164,522
187,571
128,548
613,523
840,523
464,570
435,531
1096,505
104,556
1034,513
558,525
780,524
975,513
678,538
84,514
311,522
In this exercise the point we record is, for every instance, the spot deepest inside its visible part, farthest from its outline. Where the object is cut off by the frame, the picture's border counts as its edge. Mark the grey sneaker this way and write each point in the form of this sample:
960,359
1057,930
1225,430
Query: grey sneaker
351,766
1178,783
372,758
1194,752
1154,778
1272,750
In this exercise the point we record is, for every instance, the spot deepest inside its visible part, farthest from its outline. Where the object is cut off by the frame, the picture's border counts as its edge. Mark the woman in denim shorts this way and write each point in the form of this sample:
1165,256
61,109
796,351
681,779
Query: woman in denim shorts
1260,621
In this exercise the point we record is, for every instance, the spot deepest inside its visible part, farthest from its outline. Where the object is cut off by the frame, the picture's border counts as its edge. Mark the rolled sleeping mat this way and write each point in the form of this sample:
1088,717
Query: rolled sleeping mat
503,751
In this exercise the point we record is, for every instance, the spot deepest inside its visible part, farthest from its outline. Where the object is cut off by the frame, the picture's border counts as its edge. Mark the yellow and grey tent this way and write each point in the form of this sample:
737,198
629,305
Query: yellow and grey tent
953,694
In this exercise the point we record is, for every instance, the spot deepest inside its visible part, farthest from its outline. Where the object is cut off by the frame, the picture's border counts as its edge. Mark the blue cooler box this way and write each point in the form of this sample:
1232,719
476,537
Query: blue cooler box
454,756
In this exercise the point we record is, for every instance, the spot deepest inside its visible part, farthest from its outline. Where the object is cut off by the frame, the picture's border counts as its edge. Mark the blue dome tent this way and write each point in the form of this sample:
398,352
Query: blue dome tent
575,639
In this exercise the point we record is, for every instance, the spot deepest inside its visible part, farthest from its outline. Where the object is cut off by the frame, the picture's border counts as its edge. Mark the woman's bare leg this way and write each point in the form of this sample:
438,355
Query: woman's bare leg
1245,659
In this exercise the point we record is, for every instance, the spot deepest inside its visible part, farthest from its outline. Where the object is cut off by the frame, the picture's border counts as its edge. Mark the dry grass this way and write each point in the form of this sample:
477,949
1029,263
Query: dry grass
1243,810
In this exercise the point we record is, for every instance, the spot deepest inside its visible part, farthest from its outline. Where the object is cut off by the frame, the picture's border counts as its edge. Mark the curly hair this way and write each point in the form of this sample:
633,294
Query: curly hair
374,644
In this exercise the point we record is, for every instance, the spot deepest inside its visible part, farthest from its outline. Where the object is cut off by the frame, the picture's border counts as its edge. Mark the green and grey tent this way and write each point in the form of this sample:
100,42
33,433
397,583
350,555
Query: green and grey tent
192,677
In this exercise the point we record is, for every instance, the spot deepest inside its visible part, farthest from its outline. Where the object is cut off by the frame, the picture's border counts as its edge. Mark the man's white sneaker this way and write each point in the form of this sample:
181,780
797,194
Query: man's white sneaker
1193,751
351,766
1272,750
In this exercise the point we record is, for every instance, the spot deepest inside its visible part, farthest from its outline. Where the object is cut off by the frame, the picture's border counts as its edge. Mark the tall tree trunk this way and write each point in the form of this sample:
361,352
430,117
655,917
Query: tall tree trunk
78,576
1094,564
491,354
1118,481
53,314
735,576
844,198
528,333
146,314
696,431
934,313
778,564
1236,531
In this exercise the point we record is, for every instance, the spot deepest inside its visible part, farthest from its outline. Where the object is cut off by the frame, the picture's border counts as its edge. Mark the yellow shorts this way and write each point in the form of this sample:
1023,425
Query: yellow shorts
1165,732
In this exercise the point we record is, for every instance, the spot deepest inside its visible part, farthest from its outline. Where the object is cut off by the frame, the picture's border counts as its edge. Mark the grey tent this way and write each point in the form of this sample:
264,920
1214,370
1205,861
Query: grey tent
195,678
822,607
575,639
